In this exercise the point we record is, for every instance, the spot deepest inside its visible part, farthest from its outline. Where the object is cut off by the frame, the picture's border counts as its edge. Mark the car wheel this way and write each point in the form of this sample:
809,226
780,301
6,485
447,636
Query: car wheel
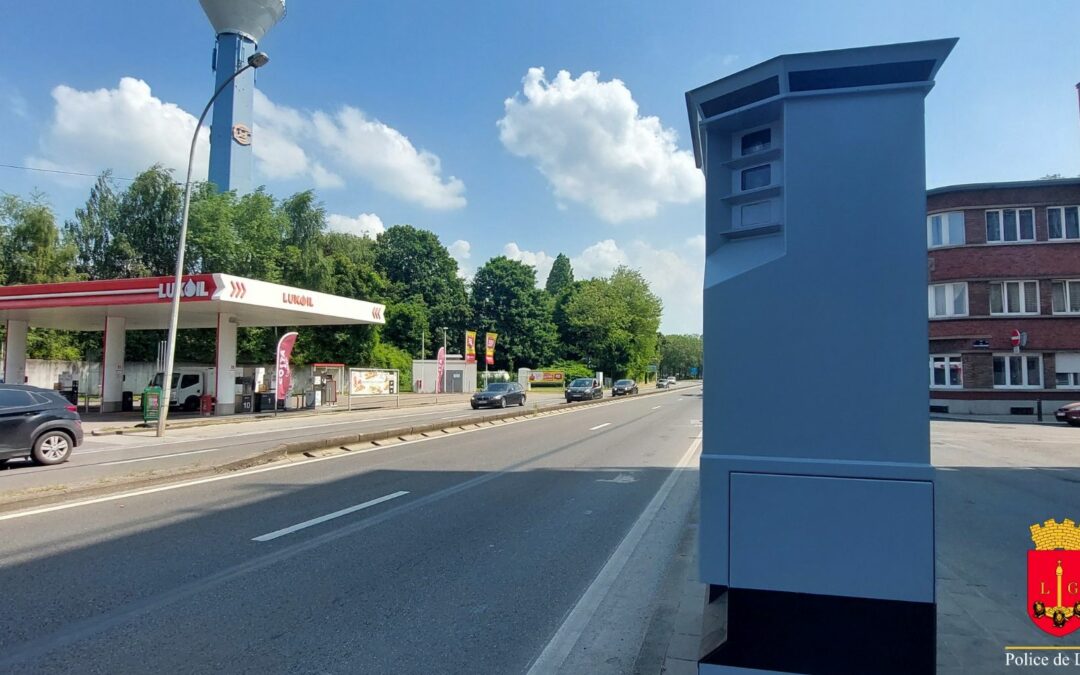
474,406
52,447
1074,423
502,403
522,404
191,404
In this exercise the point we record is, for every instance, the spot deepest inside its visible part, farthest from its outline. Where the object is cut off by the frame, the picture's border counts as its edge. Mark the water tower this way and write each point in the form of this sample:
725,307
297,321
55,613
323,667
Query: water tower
240,24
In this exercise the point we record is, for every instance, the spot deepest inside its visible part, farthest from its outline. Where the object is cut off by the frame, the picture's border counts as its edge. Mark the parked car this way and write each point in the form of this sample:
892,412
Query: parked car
671,380
37,423
1069,413
499,394
624,388
662,383
584,389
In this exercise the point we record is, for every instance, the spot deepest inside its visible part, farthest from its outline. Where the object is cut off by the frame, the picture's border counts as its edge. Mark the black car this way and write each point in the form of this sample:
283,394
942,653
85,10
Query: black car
499,394
37,423
584,389
624,388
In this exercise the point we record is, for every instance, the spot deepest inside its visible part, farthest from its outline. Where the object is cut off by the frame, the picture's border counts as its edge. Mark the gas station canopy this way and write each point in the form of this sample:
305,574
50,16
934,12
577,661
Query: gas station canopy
144,304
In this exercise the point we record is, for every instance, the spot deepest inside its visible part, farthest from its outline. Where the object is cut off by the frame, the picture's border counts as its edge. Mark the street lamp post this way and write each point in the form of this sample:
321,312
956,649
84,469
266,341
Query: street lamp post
256,60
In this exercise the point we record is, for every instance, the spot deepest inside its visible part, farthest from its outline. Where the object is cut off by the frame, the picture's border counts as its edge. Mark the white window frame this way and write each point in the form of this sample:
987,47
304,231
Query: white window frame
1023,371
1001,226
1061,219
950,300
1073,373
1006,310
1067,296
943,223
947,363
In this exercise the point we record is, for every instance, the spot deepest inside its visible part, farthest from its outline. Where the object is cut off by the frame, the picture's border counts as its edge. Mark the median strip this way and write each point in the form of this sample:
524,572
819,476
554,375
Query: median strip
330,516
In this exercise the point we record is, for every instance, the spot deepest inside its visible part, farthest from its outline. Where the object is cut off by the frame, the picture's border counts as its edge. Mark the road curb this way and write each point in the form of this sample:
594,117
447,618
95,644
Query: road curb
285,451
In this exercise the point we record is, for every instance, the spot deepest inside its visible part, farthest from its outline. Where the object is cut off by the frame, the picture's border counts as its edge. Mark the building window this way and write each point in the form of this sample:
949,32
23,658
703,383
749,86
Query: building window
1014,370
1007,225
1066,297
756,177
945,229
946,371
1063,222
947,300
1067,370
756,141
1014,297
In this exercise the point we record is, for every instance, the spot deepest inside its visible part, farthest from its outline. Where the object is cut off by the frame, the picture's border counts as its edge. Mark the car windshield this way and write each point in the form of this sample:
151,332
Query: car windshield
160,377
624,383
581,382
498,387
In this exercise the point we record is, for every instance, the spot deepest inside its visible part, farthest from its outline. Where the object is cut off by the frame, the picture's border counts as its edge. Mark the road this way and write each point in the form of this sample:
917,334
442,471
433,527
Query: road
110,457
538,544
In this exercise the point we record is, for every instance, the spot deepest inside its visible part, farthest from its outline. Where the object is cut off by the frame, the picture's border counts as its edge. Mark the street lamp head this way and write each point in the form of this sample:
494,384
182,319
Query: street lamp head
258,60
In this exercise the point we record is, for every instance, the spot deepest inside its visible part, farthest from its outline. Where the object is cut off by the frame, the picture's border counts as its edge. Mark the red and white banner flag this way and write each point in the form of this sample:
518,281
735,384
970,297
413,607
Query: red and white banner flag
284,375
441,370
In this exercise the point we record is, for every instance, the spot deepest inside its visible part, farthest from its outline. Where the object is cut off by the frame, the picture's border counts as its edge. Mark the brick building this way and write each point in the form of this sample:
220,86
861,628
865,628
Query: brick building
1004,257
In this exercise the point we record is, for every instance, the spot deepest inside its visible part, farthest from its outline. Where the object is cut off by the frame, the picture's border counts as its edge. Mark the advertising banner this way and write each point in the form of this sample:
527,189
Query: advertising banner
441,374
470,346
489,348
284,375
370,382
542,377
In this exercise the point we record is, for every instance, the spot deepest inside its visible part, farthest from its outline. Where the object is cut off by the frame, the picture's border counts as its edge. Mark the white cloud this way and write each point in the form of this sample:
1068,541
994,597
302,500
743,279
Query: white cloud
589,140
387,159
126,129
697,242
539,260
364,225
461,251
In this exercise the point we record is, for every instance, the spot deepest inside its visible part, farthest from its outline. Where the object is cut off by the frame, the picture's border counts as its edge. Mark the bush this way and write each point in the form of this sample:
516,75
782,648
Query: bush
388,356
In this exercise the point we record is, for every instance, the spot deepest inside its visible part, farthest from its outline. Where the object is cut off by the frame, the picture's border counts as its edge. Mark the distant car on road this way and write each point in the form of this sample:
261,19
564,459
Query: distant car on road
584,389
624,388
671,380
662,383
37,423
500,395
1069,413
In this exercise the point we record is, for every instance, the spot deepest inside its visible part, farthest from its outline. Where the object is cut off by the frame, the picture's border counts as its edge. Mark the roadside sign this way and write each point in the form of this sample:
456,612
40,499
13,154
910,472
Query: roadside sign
1015,338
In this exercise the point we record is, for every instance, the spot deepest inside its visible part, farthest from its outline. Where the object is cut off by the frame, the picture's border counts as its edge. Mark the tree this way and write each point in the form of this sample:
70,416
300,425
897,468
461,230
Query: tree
32,252
416,263
505,300
561,276
407,326
680,353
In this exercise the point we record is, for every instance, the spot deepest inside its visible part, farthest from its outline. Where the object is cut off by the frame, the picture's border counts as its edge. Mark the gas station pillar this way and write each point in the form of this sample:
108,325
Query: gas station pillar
15,351
225,365
817,493
112,364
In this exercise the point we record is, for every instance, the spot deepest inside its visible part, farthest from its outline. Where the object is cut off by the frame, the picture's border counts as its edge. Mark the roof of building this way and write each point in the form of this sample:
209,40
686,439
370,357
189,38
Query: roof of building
971,187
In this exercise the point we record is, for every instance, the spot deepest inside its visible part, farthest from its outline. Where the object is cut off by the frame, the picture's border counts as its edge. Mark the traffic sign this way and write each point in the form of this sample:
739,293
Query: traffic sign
1015,338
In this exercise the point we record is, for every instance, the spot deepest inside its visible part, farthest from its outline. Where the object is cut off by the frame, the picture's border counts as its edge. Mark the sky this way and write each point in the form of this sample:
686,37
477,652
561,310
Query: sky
517,129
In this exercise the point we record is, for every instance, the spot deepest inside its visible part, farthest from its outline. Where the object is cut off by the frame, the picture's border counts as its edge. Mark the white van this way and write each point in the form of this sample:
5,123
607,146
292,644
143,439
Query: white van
188,384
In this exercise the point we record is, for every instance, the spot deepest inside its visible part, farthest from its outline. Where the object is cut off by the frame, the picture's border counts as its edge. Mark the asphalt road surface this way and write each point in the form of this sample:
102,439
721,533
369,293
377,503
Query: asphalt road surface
537,544
109,457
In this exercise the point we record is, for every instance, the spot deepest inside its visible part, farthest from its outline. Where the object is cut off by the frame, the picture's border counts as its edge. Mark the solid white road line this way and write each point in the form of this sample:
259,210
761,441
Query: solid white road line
656,407
330,516
153,457
556,651
600,426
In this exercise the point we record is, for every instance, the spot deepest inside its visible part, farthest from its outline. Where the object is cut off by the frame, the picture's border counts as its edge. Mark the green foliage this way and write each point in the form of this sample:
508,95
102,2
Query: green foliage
572,369
30,248
407,325
505,300
388,356
416,263
680,353
610,324
561,276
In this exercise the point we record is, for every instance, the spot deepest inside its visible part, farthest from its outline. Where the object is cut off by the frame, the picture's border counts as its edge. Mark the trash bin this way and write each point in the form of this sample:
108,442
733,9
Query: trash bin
151,404
247,402
127,401
264,402
206,405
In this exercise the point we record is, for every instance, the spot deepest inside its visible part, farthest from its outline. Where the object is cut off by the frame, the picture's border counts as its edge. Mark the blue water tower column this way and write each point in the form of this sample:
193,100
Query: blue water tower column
233,116
817,493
